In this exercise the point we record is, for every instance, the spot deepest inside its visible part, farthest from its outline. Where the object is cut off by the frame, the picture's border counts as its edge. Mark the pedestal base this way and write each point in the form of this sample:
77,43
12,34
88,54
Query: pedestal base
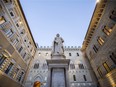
58,77
58,73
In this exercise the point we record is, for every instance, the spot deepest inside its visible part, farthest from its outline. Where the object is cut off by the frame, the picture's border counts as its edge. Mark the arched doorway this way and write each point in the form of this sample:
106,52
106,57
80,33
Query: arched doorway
38,81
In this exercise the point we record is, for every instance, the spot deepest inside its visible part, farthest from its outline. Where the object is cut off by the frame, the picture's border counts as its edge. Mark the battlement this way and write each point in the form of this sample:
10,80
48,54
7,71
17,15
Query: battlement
65,47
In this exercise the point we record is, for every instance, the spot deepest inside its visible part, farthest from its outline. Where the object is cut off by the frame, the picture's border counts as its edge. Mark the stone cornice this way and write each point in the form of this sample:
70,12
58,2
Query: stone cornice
97,14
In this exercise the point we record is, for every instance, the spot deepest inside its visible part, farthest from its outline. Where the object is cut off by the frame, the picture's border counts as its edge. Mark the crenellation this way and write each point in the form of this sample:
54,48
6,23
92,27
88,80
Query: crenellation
65,48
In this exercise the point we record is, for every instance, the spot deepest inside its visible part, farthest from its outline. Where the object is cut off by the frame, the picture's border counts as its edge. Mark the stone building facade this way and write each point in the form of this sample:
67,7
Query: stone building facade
100,42
21,64
17,46
80,71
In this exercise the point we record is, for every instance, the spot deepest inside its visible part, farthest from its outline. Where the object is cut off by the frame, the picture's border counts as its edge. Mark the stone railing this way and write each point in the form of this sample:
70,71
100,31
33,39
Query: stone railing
6,25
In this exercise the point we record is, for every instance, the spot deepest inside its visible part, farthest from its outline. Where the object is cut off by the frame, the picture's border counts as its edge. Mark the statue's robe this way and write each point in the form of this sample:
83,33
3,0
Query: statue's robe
58,46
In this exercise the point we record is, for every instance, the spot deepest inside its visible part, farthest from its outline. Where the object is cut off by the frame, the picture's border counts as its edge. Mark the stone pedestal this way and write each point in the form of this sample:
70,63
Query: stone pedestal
58,72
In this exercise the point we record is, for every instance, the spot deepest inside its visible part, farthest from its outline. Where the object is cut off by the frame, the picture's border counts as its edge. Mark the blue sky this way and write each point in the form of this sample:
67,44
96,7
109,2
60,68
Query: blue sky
69,18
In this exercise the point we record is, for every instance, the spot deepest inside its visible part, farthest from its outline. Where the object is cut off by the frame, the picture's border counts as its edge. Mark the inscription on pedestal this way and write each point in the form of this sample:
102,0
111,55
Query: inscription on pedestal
58,78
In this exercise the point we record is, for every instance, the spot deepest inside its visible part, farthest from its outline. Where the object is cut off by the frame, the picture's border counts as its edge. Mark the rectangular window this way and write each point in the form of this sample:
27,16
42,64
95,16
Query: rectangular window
2,20
17,25
24,55
113,58
84,78
74,77
95,49
20,49
77,54
11,13
113,15
6,1
15,41
100,40
99,72
107,68
15,73
69,54
9,33
107,30
20,77
9,68
2,59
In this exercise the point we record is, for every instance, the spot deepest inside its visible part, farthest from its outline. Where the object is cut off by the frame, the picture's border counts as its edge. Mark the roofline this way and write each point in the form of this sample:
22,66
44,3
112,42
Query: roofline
90,21
97,6
83,44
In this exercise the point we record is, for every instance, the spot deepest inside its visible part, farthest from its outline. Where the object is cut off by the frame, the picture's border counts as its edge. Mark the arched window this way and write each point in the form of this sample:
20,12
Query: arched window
36,65
46,54
81,66
74,77
72,66
22,31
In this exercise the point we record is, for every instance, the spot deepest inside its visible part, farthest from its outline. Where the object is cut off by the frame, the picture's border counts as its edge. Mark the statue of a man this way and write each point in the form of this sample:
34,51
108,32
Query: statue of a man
57,48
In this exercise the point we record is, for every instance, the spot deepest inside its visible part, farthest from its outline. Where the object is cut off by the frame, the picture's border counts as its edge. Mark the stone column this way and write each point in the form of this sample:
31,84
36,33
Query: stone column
67,77
49,78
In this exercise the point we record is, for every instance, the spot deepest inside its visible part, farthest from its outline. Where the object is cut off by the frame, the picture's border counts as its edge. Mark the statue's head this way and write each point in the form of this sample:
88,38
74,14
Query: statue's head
57,35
